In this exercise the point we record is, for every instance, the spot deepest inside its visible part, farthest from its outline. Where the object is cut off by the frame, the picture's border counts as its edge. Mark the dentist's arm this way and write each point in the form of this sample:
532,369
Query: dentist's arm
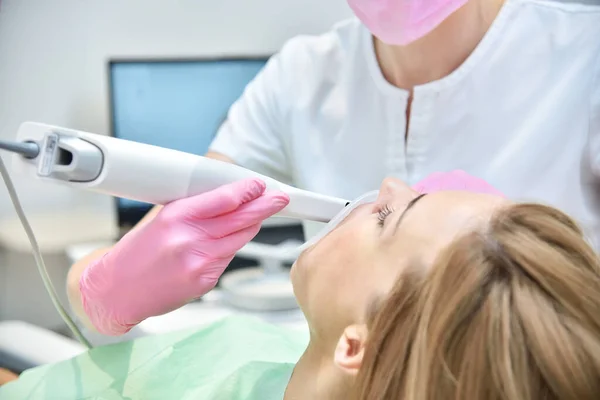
253,135
174,255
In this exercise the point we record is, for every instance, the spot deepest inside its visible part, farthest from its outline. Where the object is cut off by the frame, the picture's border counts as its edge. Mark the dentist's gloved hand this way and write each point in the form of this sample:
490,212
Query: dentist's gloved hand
176,257
455,180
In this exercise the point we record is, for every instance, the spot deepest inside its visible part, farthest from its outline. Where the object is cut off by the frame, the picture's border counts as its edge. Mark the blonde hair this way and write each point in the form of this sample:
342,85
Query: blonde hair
512,312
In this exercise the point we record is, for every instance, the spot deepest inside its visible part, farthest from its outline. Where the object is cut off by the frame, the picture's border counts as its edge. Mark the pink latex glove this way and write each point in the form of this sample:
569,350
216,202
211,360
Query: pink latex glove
176,257
455,180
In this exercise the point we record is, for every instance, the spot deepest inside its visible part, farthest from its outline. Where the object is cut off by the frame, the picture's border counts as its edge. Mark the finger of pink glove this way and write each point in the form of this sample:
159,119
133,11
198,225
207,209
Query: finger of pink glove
233,243
219,201
248,214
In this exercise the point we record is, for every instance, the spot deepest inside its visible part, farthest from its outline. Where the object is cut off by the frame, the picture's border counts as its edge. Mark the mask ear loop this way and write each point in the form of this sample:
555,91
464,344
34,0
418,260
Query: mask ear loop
368,197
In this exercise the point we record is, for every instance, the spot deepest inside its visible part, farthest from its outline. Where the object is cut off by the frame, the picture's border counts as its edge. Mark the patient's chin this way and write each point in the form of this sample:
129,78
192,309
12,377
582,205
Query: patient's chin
300,271
295,273
302,259
298,278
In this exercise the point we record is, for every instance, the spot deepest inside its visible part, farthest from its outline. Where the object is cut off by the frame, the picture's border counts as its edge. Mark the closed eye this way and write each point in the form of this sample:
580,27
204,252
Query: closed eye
383,213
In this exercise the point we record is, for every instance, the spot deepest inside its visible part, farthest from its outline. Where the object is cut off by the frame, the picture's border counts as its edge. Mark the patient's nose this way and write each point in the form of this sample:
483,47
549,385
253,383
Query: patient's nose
395,190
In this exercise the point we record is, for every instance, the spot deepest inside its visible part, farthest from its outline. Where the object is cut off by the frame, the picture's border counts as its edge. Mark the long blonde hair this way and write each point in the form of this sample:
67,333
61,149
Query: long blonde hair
510,312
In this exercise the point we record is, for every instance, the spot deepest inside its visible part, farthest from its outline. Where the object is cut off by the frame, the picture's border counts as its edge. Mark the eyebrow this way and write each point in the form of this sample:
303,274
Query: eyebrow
408,207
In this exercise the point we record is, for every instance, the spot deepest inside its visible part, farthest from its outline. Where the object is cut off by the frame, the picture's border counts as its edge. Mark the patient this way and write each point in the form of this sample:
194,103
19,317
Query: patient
452,295
448,295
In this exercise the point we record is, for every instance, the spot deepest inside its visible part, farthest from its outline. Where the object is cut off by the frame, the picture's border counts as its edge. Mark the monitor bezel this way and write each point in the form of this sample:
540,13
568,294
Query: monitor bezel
131,217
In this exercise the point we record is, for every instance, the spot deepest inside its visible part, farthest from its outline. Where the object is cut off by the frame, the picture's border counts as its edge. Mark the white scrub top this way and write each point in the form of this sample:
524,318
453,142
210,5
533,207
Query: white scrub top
522,112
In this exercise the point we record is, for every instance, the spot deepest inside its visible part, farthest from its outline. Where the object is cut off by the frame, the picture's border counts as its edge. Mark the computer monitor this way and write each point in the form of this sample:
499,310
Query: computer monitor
177,104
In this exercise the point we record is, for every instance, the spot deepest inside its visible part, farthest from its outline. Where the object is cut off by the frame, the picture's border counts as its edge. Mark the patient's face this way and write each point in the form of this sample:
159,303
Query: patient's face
336,280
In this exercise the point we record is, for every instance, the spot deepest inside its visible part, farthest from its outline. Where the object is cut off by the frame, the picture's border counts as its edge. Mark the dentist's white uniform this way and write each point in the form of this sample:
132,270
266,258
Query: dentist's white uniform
523,112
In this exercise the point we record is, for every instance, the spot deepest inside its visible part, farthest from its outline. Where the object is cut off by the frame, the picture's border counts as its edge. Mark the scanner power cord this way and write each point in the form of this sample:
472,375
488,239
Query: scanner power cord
37,255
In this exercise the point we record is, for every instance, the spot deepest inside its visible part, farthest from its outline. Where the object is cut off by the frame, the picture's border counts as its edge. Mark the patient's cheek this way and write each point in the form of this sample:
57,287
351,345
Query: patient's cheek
318,263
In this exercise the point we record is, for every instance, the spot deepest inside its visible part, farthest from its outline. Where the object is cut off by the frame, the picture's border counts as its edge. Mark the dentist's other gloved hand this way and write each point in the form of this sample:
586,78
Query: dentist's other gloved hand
176,257
455,180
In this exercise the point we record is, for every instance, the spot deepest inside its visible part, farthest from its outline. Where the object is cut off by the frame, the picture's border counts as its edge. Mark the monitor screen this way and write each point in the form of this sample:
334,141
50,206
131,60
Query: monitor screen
175,104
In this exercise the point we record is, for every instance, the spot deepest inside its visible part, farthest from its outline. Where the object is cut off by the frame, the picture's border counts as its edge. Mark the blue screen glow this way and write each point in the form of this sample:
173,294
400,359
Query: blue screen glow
178,105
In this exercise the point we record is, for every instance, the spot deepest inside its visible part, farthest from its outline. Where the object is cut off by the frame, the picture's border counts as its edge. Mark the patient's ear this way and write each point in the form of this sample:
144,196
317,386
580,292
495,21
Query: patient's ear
350,349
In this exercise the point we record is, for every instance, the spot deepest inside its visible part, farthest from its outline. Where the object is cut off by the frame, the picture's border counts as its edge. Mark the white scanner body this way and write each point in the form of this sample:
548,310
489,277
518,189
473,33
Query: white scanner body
146,173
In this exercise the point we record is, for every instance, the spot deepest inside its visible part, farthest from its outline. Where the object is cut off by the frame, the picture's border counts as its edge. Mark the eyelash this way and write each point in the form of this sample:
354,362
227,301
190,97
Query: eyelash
383,213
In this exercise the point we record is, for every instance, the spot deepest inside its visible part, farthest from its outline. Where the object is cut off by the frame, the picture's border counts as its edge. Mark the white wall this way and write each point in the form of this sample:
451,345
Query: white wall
53,55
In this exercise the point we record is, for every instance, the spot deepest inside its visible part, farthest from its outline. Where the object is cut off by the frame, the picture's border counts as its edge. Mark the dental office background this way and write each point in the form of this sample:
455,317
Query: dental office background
53,69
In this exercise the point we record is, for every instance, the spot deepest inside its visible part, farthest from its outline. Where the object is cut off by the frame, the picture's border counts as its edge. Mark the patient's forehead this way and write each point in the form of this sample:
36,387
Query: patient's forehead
455,208
437,220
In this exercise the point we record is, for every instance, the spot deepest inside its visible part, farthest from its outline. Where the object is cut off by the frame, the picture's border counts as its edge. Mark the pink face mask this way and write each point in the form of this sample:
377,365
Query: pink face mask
455,180
400,22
